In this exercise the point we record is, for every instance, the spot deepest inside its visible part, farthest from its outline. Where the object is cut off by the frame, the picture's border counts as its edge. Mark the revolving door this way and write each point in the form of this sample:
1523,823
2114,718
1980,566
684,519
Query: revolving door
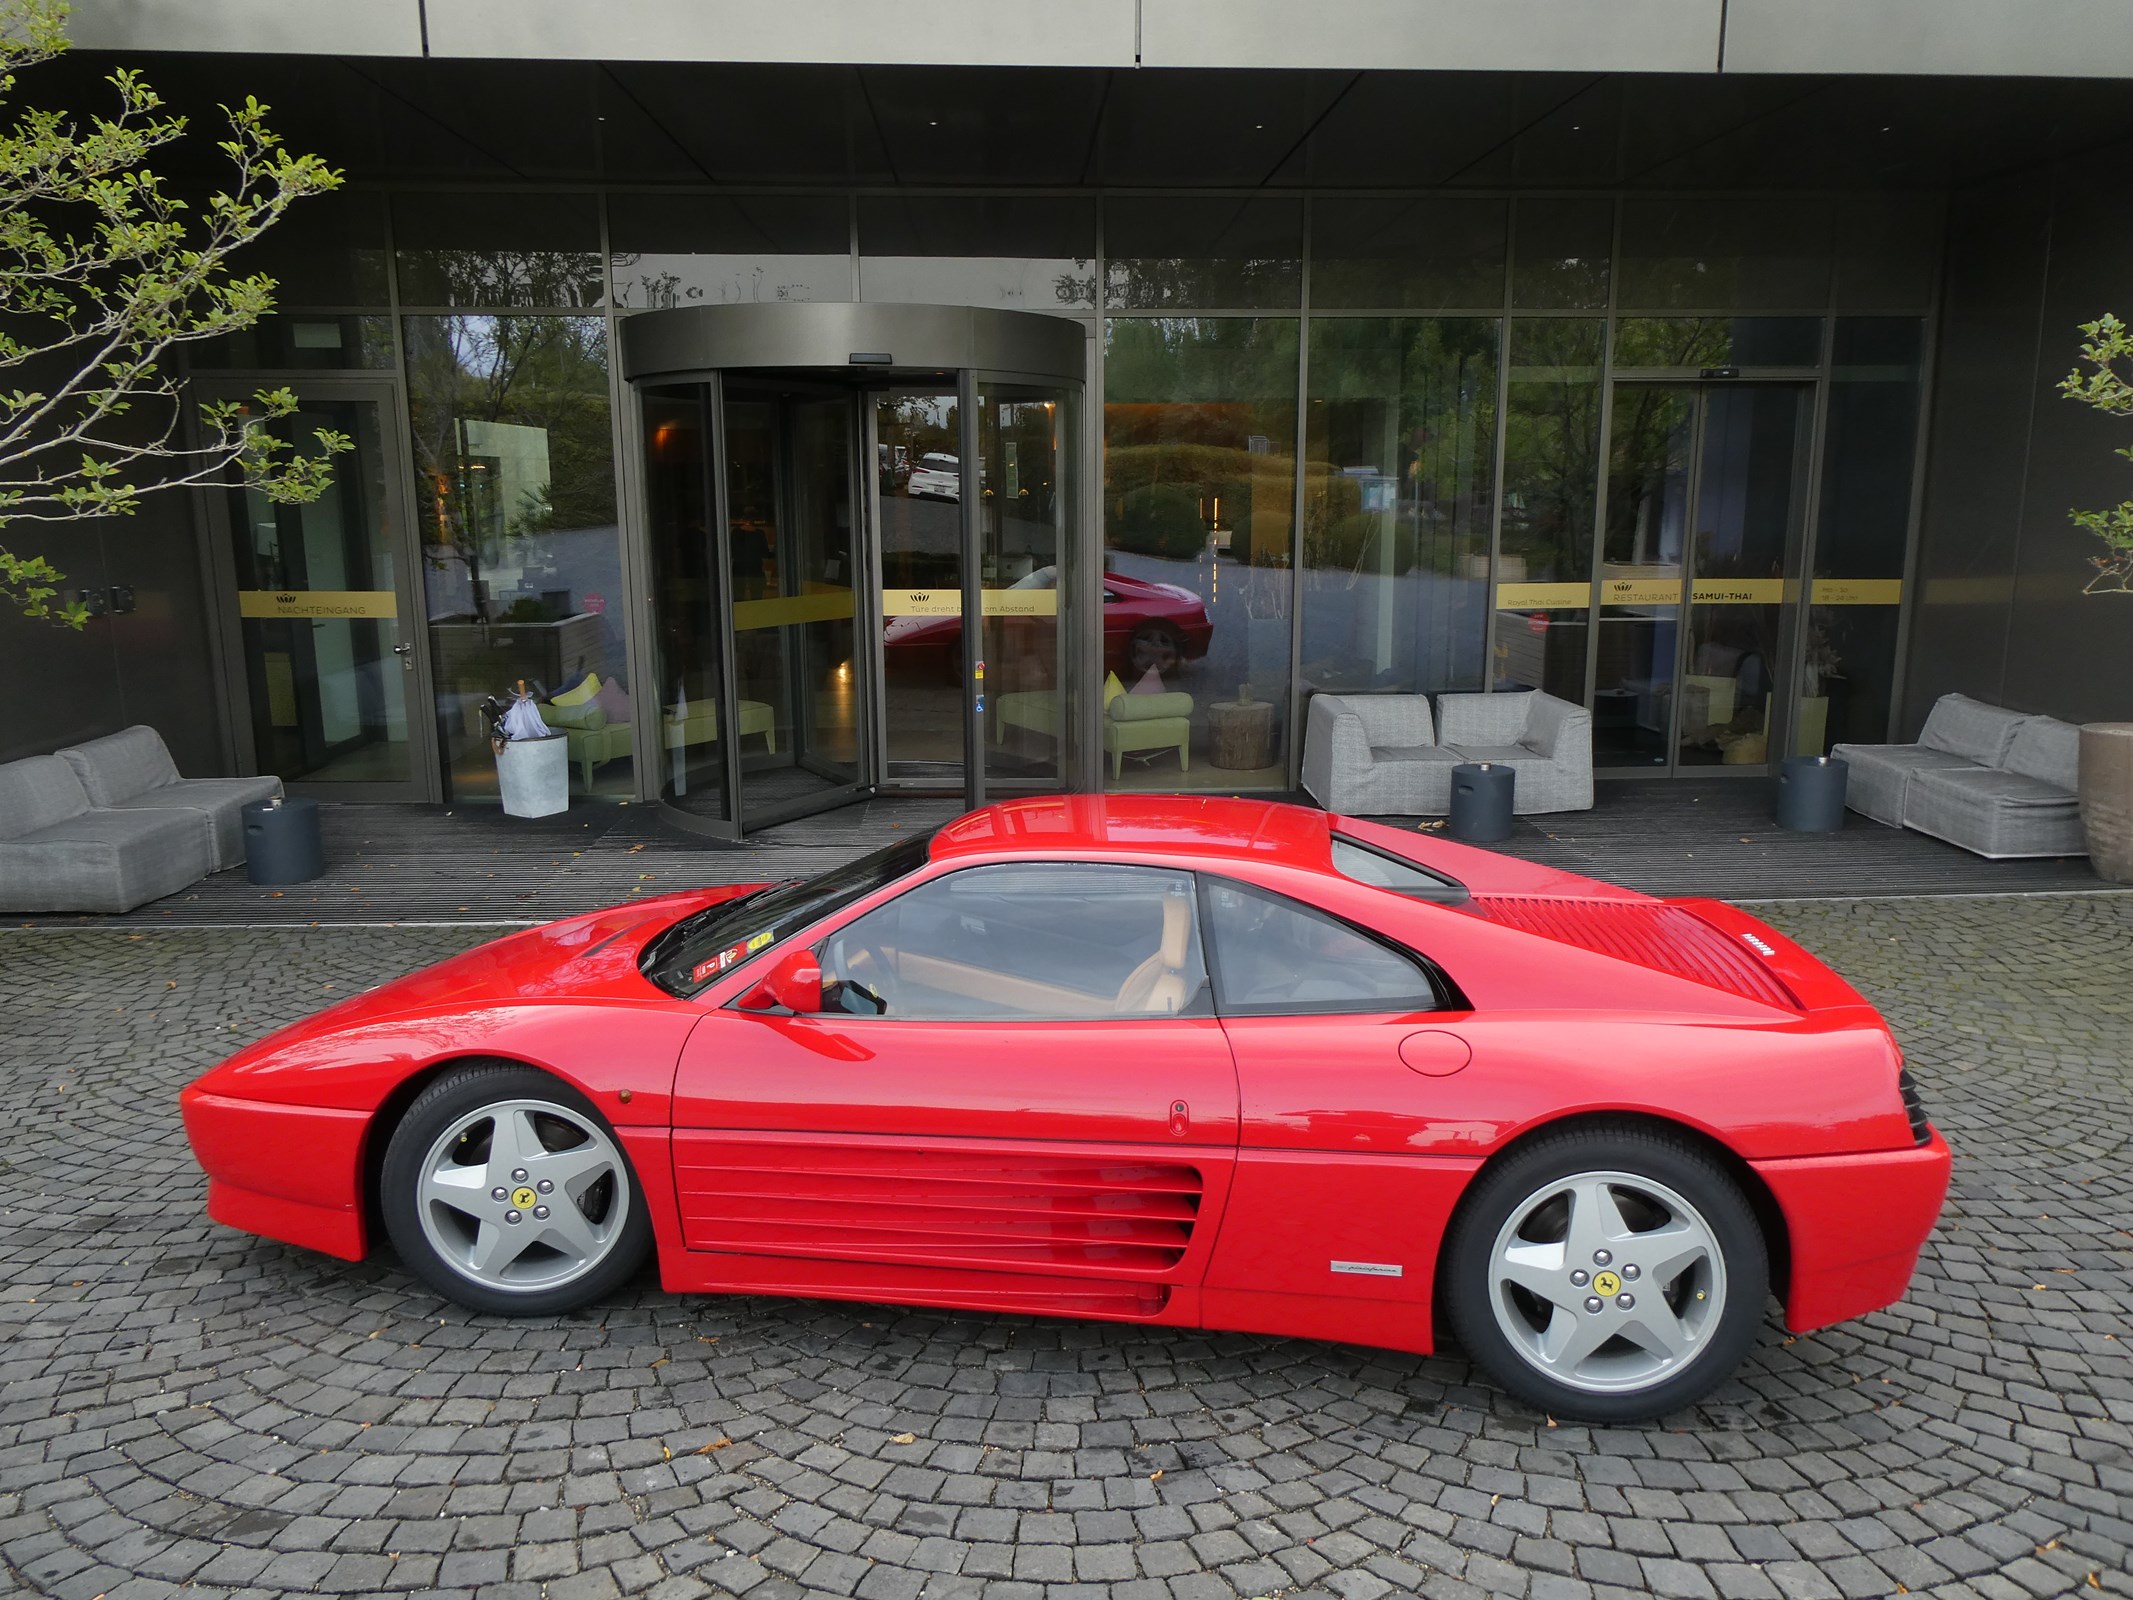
867,566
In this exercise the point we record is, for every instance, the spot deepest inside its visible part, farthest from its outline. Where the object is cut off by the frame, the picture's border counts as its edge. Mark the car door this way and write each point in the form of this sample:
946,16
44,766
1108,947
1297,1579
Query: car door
1020,1098
1337,1033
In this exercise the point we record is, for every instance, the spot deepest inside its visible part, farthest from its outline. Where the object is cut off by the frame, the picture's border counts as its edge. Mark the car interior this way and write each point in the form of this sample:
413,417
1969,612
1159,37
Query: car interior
1025,943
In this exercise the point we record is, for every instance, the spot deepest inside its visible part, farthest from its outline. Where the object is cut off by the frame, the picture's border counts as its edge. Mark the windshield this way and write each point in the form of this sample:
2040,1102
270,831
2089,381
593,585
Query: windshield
699,949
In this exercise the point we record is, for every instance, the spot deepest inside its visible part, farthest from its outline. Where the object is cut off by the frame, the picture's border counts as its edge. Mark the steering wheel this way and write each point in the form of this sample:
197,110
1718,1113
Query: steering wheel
865,967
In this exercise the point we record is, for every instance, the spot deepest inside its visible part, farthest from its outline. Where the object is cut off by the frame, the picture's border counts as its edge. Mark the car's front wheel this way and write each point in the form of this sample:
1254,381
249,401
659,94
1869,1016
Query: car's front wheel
504,1190
1606,1275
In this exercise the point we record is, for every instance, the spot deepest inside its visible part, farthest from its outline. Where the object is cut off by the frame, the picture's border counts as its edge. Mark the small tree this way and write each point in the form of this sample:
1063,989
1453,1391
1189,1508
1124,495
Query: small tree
103,272
2108,343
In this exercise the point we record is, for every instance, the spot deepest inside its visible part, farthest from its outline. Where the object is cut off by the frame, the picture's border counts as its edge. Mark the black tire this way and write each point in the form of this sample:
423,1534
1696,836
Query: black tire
1468,1281
435,1111
1154,646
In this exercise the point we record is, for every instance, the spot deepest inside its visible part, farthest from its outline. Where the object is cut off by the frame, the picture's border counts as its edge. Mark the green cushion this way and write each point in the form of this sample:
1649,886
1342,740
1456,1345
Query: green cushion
1148,707
584,715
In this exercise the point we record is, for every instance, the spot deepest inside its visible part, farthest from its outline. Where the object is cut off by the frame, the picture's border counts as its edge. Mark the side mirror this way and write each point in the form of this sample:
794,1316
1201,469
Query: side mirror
794,983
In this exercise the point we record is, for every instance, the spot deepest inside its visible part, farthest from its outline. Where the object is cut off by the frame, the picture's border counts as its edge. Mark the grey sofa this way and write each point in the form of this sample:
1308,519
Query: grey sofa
1996,782
131,770
1376,754
1385,755
58,853
1546,740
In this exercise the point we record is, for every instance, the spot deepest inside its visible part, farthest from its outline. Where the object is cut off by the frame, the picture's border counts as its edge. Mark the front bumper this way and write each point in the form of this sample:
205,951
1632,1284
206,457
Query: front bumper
292,1173
1856,1225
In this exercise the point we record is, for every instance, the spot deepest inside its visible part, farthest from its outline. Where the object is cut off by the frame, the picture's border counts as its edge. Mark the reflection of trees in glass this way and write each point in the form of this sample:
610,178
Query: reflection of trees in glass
1413,401
1199,433
1551,464
501,278
511,438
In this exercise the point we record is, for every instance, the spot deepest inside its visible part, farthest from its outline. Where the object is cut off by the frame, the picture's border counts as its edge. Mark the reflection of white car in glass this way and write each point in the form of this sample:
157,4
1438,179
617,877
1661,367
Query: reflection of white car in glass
936,477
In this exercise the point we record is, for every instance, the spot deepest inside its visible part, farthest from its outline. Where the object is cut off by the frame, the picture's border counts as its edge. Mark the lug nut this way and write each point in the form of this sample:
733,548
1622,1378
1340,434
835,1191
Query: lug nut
1630,1271
1626,1301
1600,1258
540,1213
511,1216
546,1187
1594,1303
518,1174
499,1192
1580,1277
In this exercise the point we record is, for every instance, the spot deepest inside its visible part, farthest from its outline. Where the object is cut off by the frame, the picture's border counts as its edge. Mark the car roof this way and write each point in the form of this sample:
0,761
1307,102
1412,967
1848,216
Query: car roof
1167,825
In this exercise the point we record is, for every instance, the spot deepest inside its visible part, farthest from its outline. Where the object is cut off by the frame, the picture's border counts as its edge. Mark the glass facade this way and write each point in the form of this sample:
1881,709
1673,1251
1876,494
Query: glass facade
1386,442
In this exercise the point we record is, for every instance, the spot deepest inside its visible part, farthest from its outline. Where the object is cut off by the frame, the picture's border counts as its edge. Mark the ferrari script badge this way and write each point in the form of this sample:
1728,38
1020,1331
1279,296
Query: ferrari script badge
524,1199
1606,1283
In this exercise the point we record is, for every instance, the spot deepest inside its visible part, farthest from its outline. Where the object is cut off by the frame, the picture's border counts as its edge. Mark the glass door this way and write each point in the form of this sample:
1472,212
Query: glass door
918,535
1743,566
1699,589
324,621
1025,509
801,713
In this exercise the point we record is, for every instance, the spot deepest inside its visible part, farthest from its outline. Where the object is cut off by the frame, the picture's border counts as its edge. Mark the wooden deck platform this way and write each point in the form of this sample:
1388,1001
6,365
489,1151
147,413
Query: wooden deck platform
417,864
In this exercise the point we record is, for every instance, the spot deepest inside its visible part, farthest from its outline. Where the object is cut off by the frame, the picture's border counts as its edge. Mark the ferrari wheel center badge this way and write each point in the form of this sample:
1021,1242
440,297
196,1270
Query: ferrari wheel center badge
1606,1283
523,1198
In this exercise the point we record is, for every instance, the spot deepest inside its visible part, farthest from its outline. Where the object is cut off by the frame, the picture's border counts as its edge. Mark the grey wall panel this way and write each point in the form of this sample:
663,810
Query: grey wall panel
160,649
1985,383
295,27
993,33
2069,653
67,682
1509,35
1985,38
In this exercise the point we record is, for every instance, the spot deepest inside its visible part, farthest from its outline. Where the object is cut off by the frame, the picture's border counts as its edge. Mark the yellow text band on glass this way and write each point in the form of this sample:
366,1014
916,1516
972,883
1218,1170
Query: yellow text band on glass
265,604
1858,591
1542,596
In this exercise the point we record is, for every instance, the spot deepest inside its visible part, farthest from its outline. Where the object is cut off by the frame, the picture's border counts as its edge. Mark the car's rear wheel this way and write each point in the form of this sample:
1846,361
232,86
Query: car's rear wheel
1607,1275
504,1190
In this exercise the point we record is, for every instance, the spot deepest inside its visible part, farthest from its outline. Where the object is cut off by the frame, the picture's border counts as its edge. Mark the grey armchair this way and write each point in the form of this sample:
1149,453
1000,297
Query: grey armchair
1546,741
1376,754
58,853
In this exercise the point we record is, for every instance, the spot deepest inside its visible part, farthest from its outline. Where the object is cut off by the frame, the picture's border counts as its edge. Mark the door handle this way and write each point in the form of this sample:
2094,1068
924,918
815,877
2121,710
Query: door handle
406,653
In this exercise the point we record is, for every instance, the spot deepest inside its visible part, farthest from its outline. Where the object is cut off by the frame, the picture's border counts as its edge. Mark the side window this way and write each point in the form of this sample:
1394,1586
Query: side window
1272,955
1054,941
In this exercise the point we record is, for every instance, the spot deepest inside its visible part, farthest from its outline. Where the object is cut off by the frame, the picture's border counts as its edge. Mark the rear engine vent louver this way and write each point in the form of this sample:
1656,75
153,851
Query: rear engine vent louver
1646,933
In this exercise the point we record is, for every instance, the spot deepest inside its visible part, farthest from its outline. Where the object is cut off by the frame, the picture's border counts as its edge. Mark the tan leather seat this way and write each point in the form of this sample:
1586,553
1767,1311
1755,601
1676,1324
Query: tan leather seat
1157,986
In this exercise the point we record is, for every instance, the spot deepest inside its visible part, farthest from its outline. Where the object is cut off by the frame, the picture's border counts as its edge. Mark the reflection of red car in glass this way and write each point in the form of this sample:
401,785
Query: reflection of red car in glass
1146,624
1175,1061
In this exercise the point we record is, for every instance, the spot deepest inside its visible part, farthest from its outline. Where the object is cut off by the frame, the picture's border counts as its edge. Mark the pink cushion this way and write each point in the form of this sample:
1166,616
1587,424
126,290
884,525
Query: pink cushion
613,700
1151,683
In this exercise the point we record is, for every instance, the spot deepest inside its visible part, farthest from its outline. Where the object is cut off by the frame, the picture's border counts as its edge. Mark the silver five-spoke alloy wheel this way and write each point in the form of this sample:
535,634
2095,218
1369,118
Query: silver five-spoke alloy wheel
523,1196
1607,1282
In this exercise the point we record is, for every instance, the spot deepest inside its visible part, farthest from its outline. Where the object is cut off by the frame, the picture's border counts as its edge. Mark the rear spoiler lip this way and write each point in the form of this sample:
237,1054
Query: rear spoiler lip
1813,986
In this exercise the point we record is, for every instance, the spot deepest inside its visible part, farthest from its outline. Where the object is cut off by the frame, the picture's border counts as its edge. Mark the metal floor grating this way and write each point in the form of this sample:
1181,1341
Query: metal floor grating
405,864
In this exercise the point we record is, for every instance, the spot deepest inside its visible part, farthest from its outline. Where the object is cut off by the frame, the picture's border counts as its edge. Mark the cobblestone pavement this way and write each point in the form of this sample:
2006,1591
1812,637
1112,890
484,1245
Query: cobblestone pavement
181,1407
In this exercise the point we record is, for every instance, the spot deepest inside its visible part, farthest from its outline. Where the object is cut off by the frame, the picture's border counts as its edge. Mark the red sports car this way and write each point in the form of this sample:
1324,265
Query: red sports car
1146,624
1210,1063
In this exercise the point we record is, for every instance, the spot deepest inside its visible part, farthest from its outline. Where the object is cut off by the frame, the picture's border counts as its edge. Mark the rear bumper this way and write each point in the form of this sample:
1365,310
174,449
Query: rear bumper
1856,1225
292,1173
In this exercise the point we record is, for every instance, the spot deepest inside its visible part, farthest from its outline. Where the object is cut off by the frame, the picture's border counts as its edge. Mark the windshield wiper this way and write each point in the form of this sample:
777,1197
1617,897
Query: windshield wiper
655,952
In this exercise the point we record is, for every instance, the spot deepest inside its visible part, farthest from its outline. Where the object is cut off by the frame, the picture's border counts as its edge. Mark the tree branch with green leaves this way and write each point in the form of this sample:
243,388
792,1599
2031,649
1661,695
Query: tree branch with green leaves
104,274
2107,350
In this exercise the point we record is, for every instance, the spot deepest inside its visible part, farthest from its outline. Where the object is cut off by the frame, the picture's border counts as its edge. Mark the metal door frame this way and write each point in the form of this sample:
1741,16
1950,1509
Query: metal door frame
1799,543
424,782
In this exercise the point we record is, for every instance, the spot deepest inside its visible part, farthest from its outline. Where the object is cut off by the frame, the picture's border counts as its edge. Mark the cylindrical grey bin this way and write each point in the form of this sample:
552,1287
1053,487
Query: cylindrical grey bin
281,843
1481,801
1811,793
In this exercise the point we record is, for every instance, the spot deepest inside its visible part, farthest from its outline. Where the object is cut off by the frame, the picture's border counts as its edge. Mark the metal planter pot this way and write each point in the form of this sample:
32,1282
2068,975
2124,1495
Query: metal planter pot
2107,798
534,775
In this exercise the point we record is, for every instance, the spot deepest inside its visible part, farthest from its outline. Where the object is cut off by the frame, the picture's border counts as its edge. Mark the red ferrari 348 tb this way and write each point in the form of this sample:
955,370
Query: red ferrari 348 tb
1203,1062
